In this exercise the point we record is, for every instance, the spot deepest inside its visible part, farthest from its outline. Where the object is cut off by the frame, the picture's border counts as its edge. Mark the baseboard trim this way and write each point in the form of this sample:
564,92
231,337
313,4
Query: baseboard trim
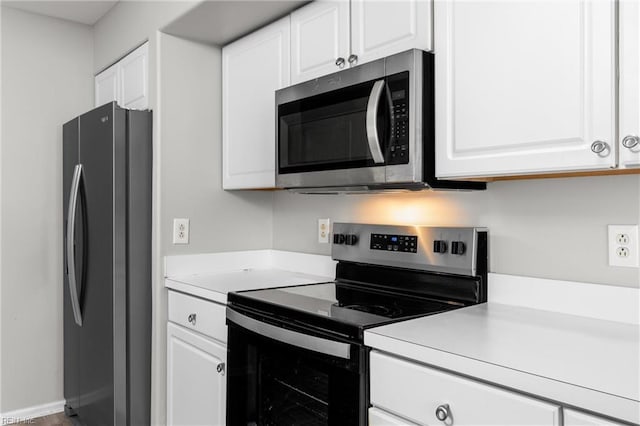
22,414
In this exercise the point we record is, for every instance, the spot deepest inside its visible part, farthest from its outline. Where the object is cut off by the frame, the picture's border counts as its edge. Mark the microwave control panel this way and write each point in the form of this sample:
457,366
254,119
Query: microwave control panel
398,151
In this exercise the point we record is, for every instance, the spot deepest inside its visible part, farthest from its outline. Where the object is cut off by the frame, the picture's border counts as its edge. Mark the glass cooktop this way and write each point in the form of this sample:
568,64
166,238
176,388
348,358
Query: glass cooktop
347,303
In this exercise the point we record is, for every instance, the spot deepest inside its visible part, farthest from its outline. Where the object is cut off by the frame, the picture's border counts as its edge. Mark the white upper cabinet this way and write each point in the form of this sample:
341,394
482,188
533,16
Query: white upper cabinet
524,87
126,82
253,68
629,132
134,75
106,86
382,28
329,35
319,39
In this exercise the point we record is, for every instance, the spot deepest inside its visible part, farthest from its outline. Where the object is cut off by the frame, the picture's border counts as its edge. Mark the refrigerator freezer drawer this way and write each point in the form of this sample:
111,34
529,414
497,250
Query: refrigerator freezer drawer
197,314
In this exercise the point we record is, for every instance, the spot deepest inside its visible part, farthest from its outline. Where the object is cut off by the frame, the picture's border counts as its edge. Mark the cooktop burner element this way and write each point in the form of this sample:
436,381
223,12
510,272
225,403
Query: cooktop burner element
384,311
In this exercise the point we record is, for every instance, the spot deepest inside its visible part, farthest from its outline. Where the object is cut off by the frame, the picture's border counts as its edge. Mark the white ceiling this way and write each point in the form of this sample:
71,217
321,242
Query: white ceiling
222,21
83,11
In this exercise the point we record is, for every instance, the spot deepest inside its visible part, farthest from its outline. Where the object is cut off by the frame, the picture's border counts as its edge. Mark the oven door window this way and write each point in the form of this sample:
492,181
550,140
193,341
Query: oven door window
329,131
270,383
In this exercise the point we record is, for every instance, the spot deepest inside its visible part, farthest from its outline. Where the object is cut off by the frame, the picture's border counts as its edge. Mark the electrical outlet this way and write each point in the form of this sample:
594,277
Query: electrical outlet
623,245
324,226
181,231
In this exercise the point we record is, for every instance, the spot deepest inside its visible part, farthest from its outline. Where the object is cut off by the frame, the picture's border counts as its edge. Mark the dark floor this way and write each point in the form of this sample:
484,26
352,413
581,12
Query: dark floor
53,420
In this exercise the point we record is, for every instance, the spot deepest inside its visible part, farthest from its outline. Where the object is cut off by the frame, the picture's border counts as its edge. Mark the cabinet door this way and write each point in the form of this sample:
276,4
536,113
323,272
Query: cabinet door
629,133
134,77
524,87
253,68
576,418
382,28
196,391
319,37
106,86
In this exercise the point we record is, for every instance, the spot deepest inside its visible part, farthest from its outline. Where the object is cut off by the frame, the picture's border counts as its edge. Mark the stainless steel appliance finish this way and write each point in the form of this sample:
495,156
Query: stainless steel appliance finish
296,355
379,118
107,163
423,258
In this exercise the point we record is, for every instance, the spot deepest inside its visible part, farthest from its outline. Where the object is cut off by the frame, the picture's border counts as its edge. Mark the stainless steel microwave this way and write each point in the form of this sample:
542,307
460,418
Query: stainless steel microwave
370,127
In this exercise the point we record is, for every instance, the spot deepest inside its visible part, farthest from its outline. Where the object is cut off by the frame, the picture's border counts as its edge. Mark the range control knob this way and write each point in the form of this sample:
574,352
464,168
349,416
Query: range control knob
458,247
338,238
439,246
350,239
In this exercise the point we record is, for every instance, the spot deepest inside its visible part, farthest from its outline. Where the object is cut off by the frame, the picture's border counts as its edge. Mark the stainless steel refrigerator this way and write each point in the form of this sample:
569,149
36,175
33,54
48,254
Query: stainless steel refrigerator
107,163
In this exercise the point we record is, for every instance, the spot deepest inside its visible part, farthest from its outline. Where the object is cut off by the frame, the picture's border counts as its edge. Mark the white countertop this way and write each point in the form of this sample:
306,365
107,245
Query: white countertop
215,287
212,276
578,361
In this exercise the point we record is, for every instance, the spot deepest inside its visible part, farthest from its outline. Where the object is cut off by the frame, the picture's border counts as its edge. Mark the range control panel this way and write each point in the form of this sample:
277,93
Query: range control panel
440,249
389,242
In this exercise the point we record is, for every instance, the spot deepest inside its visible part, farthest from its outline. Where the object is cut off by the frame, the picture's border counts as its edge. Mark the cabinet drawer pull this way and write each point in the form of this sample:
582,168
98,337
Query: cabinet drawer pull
220,368
192,319
630,141
600,147
442,412
353,59
340,62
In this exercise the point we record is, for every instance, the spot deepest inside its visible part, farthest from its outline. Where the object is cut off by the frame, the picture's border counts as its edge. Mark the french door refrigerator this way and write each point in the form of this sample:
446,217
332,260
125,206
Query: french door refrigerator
107,163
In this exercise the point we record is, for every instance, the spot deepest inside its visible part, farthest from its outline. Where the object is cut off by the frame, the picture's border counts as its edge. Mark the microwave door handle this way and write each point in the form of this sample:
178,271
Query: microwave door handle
372,122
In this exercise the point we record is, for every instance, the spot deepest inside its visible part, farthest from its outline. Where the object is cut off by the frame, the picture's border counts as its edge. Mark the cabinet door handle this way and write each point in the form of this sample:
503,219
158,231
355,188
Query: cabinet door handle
192,319
340,62
630,141
353,59
601,148
443,412
220,368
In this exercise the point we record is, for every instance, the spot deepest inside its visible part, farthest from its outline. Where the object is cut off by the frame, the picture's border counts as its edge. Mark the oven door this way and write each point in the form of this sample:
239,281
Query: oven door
284,376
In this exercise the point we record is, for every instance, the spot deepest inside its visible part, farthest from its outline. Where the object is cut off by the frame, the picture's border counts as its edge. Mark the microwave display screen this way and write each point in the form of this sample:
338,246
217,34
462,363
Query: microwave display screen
398,94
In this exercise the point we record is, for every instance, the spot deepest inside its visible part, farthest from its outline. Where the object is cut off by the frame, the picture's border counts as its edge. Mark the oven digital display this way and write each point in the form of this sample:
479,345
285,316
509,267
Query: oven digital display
388,242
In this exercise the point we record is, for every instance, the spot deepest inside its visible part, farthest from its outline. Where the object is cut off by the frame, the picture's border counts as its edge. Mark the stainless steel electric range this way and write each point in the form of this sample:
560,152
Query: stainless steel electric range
296,354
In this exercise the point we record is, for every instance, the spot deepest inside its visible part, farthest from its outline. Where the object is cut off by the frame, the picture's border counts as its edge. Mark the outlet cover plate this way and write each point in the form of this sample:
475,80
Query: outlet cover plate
324,228
623,237
181,231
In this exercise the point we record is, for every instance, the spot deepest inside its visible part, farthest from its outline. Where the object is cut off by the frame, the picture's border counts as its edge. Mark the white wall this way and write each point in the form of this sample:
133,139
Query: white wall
548,228
46,81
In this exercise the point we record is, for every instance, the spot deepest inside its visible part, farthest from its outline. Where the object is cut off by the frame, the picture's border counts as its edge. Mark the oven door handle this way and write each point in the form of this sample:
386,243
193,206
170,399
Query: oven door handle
372,122
294,338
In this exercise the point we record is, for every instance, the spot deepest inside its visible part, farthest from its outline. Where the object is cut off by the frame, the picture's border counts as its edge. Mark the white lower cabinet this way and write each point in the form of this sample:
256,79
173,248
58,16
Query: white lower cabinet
431,397
196,363
577,418
382,418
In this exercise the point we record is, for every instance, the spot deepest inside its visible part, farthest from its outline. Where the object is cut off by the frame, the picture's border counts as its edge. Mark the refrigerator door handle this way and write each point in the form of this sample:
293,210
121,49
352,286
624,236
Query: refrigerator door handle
70,240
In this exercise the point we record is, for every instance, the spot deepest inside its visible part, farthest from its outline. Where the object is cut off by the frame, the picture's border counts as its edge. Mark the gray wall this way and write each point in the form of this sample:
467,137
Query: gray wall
548,228
129,23
190,115
46,81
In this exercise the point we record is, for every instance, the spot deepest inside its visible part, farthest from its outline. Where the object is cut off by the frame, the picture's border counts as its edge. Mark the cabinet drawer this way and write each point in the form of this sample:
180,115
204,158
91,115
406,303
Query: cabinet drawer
415,392
576,418
382,418
208,317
